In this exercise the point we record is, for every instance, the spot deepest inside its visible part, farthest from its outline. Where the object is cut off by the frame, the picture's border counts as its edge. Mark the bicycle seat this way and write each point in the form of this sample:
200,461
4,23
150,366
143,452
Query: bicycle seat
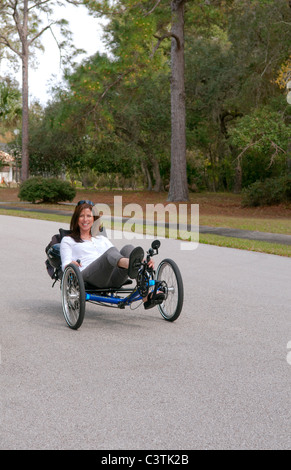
90,287
54,256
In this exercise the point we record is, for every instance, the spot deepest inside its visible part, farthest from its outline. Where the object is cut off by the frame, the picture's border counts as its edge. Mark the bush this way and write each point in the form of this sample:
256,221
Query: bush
266,193
49,190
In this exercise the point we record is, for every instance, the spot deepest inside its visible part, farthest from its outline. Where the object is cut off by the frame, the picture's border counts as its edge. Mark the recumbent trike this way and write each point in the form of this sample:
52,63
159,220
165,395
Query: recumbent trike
75,292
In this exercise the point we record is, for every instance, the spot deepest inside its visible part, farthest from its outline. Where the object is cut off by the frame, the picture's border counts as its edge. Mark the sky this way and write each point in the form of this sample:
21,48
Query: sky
87,33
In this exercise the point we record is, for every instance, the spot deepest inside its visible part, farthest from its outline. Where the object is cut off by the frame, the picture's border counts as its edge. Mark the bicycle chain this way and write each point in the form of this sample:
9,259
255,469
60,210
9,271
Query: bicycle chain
142,283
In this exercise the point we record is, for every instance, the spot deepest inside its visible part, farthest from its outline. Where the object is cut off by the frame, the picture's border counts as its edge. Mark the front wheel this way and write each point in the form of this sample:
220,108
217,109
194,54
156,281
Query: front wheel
73,296
169,273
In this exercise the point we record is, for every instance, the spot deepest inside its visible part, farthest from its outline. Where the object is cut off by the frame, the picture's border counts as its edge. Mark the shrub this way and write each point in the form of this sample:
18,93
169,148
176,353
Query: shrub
266,193
49,190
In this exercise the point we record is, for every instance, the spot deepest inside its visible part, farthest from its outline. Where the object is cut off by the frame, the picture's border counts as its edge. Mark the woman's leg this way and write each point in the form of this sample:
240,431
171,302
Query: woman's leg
99,272
120,275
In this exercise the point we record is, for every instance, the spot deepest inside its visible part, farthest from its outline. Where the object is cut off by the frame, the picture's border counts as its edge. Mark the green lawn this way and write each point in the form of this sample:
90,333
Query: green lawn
282,226
265,225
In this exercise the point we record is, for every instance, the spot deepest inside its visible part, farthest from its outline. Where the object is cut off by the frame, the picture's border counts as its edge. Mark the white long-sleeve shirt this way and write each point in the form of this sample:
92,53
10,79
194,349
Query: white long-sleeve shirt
87,251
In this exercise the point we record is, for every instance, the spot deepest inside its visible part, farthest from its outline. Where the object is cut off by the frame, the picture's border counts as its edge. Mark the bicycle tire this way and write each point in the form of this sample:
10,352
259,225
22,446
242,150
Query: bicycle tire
169,272
73,296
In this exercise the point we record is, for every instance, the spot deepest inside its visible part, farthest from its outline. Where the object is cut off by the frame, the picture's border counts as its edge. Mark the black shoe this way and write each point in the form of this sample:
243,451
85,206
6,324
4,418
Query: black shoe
154,300
135,260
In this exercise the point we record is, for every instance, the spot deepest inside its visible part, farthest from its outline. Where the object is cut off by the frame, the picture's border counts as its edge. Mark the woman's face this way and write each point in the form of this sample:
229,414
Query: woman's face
85,221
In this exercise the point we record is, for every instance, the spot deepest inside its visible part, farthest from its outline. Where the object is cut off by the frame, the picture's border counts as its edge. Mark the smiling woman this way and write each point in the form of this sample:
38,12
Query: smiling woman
82,221
101,263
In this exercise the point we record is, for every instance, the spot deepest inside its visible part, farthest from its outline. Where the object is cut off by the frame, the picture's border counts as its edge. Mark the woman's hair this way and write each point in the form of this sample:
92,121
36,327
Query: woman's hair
74,226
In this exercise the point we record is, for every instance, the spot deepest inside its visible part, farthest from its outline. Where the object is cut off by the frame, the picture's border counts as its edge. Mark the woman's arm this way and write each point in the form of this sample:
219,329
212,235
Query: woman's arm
66,250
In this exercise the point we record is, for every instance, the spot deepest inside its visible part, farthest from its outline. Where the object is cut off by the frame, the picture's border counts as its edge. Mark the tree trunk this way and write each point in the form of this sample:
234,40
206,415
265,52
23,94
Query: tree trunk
178,179
238,178
24,57
147,175
157,175
289,158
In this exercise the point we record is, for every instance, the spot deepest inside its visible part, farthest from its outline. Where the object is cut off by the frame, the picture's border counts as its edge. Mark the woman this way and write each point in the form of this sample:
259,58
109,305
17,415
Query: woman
100,262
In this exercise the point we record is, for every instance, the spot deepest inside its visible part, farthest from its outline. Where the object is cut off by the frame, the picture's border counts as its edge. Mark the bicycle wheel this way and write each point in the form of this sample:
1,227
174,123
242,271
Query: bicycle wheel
73,296
169,273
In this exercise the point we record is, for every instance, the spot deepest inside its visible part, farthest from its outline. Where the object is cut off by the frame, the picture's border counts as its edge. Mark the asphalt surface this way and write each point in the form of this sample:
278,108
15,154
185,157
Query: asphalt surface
217,378
222,231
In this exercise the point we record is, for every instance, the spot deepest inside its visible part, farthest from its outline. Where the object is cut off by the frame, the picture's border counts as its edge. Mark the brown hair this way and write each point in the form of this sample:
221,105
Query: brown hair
74,226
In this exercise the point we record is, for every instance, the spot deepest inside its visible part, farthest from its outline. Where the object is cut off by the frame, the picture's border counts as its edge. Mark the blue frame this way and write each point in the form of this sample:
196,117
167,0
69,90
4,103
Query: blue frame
118,301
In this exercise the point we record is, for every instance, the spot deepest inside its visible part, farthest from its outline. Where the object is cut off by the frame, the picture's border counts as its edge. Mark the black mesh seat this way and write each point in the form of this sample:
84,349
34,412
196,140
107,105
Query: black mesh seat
91,288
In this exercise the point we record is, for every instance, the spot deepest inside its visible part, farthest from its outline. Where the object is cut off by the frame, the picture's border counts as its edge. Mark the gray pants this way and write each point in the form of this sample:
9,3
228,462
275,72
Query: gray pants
104,272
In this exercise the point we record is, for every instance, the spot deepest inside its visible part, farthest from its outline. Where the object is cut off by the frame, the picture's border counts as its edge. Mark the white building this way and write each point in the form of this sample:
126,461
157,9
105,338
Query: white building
7,168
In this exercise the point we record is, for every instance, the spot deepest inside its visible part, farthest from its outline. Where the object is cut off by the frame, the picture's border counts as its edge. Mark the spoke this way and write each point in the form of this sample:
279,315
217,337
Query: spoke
167,275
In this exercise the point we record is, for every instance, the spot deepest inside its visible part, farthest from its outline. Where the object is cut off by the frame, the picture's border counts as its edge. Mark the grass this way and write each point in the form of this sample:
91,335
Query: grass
215,210
282,226
242,244
229,242
63,219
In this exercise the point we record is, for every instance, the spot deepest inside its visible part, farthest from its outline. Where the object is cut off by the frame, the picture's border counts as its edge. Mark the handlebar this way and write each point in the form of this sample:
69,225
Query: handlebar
154,250
146,272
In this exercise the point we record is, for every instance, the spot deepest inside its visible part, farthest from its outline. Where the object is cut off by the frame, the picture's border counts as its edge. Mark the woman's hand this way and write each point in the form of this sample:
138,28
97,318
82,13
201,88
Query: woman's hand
77,263
151,264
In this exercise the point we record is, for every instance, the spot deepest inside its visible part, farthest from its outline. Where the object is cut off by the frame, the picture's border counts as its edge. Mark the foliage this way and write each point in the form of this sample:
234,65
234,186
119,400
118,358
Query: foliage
10,103
269,192
284,74
229,75
262,139
53,146
264,130
51,190
20,32
22,25
113,119
132,26
120,134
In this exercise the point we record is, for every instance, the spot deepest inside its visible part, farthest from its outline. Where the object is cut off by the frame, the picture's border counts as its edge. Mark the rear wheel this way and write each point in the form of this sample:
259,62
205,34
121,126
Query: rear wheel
169,273
73,296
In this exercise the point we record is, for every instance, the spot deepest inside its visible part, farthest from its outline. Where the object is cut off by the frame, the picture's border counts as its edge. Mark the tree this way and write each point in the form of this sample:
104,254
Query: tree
20,33
178,180
53,146
263,137
162,22
10,105
119,133
230,71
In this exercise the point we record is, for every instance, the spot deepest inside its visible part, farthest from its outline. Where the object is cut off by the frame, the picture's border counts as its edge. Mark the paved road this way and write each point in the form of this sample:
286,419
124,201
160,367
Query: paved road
218,378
